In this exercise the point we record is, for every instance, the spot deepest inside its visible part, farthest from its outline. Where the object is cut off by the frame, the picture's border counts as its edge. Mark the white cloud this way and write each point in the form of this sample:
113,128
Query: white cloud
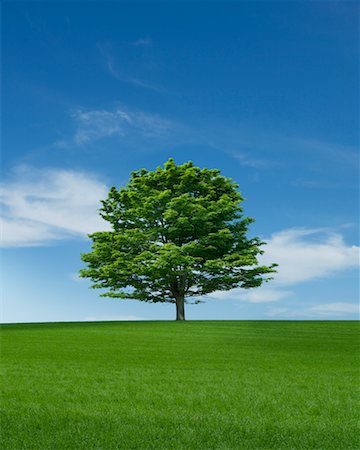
319,311
259,295
43,205
302,255
98,124
95,124
266,295
307,254
17,232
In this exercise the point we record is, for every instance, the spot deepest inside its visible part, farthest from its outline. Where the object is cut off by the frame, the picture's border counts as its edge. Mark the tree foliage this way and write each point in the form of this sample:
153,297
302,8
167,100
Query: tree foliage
177,232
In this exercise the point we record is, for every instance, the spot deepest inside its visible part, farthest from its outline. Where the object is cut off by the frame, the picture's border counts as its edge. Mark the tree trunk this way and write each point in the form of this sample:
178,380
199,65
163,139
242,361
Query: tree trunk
180,308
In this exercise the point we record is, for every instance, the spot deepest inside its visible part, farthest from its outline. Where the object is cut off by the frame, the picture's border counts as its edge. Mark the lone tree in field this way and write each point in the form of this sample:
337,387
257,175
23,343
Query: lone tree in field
177,232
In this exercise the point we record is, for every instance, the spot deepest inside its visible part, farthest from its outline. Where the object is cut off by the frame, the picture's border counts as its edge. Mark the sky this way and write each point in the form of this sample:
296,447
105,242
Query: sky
267,92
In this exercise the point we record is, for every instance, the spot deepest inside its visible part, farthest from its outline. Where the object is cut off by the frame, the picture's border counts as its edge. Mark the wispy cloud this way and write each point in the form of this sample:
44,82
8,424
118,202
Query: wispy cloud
95,124
121,73
310,152
260,295
322,311
98,124
340,153
44,205
143,42
254,162
323,184
268,149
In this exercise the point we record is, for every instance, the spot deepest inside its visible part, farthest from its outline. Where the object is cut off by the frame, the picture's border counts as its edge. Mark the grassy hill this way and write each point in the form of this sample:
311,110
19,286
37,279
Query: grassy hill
190,385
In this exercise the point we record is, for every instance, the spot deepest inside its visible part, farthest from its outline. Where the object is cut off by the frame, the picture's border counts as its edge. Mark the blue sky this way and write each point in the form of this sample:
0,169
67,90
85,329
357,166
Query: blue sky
265,91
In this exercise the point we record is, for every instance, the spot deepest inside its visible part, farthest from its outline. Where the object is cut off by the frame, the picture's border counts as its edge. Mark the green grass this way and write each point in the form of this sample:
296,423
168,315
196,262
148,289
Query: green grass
171,385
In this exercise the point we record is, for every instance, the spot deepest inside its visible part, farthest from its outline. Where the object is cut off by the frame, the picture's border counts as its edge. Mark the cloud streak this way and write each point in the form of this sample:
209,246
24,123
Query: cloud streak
113,68
251,161
143,42
259,295
264,149
96,124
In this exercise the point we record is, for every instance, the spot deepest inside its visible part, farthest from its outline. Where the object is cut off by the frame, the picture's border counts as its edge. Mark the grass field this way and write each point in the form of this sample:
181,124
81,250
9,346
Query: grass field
181,385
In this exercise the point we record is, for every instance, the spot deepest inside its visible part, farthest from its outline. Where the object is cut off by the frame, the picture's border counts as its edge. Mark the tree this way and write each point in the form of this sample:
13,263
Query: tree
177,232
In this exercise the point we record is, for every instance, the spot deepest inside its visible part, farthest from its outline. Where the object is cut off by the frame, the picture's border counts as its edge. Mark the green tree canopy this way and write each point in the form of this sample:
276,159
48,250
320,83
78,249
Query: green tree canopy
177,232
